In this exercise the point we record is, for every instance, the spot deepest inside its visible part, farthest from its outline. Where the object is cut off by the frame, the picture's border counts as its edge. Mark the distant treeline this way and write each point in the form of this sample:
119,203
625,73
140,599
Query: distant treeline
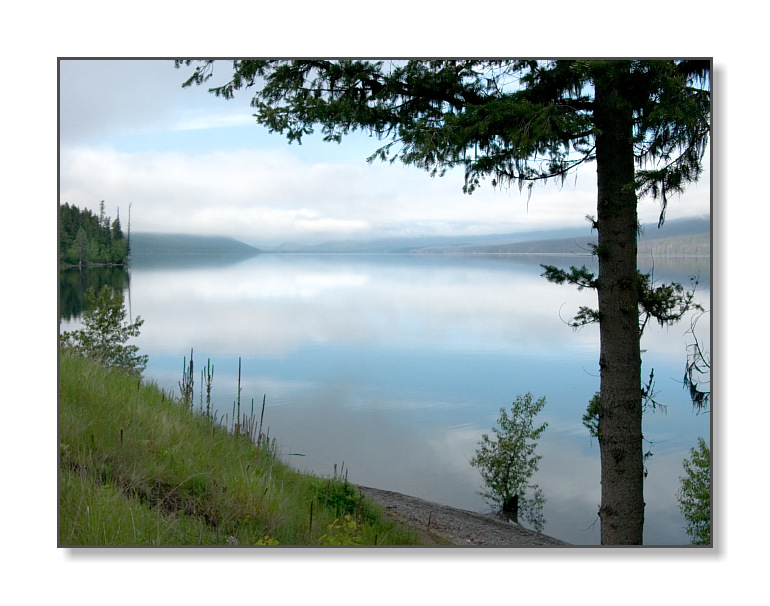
675,246
698,245
89,239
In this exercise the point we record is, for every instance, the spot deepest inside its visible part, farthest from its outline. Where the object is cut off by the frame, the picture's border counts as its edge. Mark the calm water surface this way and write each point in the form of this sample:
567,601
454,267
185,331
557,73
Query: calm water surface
395,365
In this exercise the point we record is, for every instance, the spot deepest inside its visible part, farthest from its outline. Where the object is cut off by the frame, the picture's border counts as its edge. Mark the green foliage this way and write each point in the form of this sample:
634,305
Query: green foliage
582,278
665,303
695,494
105,333
343,531
508,462
591,416
338,496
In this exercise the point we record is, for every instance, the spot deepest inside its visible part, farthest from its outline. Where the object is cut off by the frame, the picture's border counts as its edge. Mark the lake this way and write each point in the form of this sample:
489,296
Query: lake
394,365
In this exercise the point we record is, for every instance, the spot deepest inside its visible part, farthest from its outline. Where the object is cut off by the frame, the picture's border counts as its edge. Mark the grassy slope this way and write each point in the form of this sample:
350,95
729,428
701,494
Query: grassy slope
136,468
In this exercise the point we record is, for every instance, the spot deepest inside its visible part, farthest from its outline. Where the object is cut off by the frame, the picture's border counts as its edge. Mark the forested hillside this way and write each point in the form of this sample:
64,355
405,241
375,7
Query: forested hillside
88,239
143,243
678,238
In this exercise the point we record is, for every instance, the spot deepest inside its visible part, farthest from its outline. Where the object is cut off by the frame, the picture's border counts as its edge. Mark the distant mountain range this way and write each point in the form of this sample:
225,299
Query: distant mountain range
186,244
682,236
677,237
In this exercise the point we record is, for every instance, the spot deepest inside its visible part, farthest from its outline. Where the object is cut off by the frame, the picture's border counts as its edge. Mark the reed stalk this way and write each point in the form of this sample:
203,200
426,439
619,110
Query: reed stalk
209,381
187,382
262,416
239,393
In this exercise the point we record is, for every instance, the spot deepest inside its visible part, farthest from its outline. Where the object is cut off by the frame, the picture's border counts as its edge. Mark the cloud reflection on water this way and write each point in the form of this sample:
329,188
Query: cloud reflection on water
397,364
273,305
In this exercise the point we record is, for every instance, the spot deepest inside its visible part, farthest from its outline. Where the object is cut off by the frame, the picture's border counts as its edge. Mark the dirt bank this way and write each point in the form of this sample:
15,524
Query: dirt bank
443,525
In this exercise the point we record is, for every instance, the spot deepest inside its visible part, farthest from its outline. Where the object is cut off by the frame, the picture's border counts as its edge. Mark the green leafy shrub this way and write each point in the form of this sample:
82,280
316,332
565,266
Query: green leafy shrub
343,531
508,462
695,494
267,540
338,496
105,333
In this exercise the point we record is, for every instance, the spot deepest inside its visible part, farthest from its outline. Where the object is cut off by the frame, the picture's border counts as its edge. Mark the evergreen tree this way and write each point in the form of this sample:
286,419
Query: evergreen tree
645,123
81,247
117,234
104,221
119,244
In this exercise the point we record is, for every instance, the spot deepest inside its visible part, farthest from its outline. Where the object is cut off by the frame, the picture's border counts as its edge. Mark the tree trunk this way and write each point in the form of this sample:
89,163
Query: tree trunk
620,409
511,508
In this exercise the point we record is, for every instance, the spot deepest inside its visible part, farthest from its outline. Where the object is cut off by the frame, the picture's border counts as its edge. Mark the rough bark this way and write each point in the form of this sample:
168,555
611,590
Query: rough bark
620,410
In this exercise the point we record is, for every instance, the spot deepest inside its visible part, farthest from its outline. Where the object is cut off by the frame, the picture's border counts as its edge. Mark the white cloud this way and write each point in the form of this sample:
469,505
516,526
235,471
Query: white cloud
269,196
248,194
316,225
203,121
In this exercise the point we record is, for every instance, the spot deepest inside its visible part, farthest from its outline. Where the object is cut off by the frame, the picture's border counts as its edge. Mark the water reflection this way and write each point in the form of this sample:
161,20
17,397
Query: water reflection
273,304
397,364
74,282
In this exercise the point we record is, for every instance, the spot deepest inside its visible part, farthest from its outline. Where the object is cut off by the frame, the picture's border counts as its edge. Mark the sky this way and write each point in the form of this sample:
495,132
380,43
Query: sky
186,161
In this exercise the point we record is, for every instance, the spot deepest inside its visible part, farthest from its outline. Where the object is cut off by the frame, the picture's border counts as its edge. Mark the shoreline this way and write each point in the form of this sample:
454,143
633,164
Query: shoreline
442,525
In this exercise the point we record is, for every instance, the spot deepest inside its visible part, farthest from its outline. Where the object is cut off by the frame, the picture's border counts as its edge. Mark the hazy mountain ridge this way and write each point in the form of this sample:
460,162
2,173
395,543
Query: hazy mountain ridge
678,237
145,243
412,243
682,236
695,244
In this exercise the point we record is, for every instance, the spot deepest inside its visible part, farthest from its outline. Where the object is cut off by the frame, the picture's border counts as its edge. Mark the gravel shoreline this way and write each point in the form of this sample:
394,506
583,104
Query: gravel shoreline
444,525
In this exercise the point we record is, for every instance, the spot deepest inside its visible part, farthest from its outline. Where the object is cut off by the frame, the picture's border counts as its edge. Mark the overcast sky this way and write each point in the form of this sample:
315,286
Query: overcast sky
189,162
35,35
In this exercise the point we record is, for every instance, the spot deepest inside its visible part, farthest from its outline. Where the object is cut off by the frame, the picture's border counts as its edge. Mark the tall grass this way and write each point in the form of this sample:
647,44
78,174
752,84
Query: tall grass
137,467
